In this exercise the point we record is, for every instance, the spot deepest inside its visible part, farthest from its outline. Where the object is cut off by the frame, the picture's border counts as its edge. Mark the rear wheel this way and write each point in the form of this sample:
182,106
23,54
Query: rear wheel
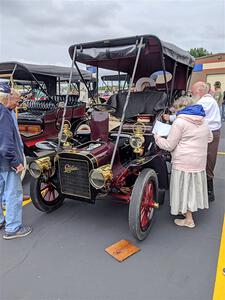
45,195
143,198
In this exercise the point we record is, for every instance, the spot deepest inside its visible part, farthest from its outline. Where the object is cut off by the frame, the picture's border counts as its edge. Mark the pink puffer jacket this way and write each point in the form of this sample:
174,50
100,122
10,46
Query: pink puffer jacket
187,141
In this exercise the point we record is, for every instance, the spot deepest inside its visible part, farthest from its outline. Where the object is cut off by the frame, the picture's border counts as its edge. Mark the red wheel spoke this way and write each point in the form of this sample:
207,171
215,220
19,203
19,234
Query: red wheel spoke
46,196
146,209
142,212
145,220
48,191
44,188
49,195
150,191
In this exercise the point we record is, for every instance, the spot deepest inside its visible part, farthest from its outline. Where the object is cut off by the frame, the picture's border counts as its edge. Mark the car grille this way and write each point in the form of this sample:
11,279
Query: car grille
74,177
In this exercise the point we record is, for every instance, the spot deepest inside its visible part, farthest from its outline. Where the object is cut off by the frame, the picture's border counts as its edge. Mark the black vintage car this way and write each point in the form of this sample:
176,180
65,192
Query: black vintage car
122,161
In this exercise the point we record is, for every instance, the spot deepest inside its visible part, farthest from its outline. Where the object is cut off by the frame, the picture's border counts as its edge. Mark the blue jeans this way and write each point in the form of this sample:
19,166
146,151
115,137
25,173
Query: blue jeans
11,189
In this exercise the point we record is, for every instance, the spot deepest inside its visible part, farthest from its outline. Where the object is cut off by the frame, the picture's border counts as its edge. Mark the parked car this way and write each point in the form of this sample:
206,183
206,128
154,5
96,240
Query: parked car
40,118
123,162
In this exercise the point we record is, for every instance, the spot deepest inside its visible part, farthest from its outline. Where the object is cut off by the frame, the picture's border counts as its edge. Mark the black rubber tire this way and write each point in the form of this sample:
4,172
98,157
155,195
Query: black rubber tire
38,200
145,176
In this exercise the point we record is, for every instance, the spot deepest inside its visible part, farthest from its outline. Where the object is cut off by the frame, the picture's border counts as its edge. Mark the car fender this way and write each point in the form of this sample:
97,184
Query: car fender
157,163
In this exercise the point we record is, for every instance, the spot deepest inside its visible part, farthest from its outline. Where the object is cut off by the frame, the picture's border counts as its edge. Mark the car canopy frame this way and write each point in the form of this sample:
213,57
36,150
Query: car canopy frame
119,55
49,74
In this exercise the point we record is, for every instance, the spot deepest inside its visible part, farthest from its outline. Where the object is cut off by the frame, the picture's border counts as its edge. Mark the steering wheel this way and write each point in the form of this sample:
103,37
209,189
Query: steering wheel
104,108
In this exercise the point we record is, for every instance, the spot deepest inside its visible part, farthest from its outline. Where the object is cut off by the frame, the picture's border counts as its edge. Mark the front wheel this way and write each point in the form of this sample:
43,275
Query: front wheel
45,195
143,198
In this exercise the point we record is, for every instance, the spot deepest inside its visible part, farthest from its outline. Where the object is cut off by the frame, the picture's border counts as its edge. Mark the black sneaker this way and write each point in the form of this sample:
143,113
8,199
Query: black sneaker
22,231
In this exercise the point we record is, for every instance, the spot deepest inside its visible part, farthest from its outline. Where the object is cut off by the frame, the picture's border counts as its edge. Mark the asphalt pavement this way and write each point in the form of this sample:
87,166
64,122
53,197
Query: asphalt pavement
64,257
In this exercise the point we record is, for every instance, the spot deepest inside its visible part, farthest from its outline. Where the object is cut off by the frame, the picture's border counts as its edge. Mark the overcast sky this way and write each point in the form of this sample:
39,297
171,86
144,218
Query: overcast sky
40,31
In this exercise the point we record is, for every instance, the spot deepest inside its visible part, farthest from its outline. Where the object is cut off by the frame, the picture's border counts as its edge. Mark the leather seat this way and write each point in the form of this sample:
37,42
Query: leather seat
150,102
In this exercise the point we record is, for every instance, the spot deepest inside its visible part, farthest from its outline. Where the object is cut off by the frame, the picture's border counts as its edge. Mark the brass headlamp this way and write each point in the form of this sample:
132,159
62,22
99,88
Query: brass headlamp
100,177
37,167
67,134
137,139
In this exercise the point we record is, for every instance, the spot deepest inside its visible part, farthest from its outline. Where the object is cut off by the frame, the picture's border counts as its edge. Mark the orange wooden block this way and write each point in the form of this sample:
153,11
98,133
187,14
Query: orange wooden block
122,250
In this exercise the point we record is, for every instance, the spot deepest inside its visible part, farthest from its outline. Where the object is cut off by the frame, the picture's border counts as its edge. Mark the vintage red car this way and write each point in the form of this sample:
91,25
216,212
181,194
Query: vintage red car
40,119
123,162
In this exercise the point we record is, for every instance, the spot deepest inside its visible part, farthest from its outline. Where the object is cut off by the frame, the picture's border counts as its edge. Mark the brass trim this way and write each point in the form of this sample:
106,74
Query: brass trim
106,172
44,164
139,130
5,75
79,152
86,155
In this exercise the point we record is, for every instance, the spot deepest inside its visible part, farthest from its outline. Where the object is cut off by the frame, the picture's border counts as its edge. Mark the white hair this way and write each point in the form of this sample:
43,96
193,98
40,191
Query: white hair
182,102
4,98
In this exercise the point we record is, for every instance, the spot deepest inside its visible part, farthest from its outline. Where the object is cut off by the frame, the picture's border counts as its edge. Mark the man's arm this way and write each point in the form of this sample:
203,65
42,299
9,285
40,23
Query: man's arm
7,145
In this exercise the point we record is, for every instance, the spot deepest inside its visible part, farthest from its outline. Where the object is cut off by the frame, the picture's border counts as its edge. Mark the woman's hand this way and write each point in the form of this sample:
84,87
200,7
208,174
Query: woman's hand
156,136
166,117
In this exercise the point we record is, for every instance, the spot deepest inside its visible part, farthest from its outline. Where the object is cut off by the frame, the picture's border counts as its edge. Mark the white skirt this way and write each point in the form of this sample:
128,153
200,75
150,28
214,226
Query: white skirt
188,191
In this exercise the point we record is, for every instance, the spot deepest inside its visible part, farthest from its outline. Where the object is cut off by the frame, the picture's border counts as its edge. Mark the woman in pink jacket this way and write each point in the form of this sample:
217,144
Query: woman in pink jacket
188,141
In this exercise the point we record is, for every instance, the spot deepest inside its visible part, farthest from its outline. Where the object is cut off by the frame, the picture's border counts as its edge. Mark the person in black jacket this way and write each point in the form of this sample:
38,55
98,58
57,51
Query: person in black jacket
11,164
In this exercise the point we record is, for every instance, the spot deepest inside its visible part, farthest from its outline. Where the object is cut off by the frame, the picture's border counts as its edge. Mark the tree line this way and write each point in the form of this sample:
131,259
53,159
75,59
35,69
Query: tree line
198,52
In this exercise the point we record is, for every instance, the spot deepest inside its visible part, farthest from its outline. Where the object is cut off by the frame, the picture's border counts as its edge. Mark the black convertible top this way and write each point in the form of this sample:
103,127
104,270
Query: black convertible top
124,47
120,55
23,71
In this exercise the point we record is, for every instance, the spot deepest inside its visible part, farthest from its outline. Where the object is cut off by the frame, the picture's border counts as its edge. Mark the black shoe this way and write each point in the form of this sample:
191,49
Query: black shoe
21,232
